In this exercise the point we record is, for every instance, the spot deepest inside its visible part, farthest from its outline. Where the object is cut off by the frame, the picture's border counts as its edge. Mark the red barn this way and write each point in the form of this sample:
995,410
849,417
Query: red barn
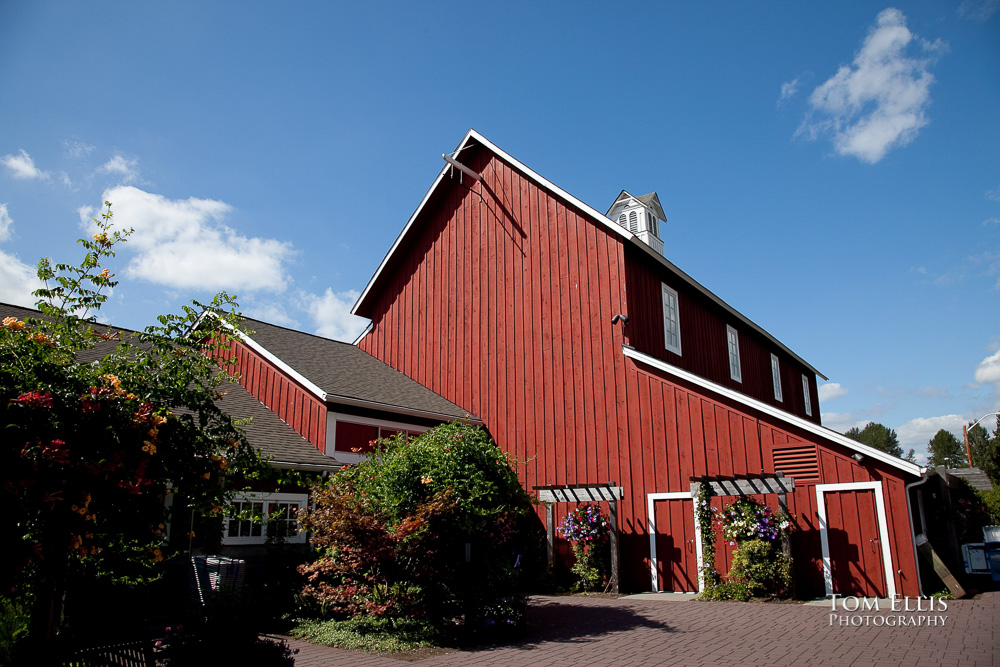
502,294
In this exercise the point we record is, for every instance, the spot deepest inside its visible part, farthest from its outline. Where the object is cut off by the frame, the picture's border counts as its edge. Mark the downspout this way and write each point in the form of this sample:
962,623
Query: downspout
913,533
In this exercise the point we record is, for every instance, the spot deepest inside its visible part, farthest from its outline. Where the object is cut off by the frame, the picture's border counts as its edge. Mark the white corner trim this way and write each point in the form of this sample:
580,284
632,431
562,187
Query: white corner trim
651,498
278,363
883,531
787,417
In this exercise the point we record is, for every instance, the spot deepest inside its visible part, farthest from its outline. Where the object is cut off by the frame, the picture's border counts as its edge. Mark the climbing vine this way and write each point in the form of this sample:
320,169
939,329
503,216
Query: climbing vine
706,519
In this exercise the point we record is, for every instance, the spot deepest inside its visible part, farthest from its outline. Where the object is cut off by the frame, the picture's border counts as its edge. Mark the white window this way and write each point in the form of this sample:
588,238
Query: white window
776,377
671,321
805,394
350,438
633,222
733,342
256,517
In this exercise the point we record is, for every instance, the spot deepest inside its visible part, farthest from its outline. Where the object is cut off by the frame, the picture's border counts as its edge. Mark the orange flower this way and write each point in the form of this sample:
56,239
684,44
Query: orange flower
12,323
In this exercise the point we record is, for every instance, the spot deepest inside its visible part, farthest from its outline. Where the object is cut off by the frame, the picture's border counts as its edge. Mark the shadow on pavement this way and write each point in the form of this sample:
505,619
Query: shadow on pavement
571,621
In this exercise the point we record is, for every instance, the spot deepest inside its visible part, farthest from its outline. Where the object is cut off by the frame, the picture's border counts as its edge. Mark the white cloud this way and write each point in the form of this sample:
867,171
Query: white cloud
789,89
878,102
77,149
122,166
183,243
22,166
917,432
272,313
17,281
331,313
991,221
988,371
830,391
839,421
6,223
978,10
993,194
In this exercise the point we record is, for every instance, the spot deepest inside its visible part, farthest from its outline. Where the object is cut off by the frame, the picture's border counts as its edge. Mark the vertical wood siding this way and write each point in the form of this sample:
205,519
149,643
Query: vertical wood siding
294,404
501,302
704,349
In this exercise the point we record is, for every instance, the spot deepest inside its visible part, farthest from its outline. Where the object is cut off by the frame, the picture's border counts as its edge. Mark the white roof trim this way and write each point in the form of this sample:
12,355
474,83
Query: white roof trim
596,215
262,351
815,429
336,398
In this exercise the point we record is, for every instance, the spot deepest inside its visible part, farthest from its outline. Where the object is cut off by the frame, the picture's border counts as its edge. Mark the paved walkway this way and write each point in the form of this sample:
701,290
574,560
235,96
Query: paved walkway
644,631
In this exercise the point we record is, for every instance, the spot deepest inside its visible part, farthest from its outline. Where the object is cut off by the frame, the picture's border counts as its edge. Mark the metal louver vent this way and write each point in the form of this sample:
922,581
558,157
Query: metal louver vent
799,463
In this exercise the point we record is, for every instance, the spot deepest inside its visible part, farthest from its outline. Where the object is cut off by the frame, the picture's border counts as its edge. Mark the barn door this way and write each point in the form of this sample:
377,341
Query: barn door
673,543
856,556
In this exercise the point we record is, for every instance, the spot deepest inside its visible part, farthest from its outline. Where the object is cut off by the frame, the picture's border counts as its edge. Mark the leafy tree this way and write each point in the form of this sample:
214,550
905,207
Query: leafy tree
99,427
425,529
986,450
946,450
878,436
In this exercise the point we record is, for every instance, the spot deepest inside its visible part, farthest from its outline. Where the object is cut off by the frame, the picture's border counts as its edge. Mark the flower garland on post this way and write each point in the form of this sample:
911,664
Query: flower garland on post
587,528
706,520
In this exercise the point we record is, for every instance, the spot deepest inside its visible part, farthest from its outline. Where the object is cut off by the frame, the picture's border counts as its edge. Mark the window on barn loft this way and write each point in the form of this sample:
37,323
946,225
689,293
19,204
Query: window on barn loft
671,321
733,343
776,377
805,395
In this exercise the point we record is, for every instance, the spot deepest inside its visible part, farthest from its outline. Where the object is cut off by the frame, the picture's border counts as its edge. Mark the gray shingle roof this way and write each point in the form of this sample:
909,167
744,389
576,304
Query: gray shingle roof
974,476
269,434
348,374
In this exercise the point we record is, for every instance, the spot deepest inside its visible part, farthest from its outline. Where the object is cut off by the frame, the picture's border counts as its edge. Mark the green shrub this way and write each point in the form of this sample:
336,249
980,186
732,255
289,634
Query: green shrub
727,590
762,567
13,629
431,529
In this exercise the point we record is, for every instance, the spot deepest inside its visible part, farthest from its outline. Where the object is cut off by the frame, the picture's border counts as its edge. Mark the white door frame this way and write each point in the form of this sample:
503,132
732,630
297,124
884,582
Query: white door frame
883,530
651,526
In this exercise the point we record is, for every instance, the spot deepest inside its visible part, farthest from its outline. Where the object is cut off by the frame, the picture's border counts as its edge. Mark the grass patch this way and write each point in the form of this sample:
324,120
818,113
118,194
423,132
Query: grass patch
372,635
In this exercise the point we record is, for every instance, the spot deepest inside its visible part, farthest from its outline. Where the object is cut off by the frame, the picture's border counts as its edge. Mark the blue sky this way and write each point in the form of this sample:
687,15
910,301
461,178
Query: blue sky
832,170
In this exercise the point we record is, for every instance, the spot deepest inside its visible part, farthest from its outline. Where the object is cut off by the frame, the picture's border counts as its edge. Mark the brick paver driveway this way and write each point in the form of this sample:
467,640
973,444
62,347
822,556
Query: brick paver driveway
574,631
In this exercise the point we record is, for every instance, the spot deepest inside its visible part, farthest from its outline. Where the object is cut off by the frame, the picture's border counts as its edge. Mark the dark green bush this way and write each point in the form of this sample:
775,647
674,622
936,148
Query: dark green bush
435,529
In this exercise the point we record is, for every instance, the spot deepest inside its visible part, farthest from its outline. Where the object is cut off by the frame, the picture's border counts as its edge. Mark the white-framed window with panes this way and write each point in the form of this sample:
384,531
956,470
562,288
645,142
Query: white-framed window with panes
733,346
776,377
350,438
671,320
806,396
256,517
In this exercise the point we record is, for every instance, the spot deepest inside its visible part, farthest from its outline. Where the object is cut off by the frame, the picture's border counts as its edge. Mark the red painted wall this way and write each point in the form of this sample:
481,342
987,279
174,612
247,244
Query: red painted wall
704,347
294,404
500,299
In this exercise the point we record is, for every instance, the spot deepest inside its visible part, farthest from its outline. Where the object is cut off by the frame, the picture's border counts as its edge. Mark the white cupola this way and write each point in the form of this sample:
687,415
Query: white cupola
640,215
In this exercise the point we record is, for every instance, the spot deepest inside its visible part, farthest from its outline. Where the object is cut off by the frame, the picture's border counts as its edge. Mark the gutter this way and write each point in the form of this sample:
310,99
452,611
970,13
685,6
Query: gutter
913,532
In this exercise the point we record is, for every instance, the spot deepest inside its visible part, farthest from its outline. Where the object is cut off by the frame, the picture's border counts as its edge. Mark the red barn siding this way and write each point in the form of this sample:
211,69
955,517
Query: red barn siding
295,405
501,302
704,348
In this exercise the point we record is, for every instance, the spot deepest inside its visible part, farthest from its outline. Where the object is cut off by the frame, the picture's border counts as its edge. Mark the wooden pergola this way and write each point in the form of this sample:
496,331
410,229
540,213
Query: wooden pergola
583,493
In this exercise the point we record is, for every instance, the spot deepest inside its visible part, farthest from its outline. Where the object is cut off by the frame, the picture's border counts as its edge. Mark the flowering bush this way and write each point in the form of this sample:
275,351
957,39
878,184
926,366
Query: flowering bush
584,524
759,567
746,519
99,427
587,528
